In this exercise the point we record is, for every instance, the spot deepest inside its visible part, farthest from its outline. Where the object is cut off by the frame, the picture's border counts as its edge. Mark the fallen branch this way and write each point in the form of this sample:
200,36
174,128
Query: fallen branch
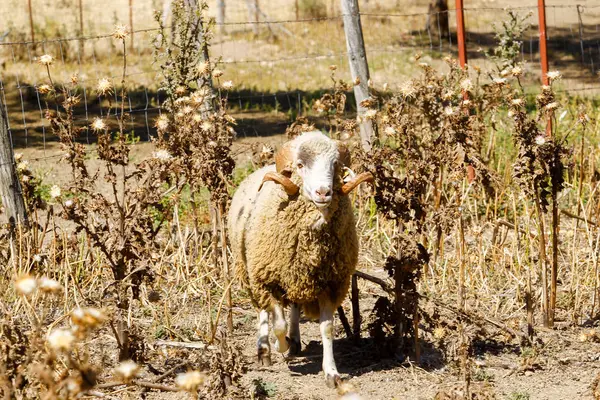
574,216
187,345
167,374
476,319
143,384
171,371
384,285
512,226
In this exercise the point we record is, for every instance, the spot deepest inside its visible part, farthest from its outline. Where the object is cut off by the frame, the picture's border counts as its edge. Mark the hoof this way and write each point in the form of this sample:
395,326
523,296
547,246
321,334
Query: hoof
333,381
282,347
264,358
295,347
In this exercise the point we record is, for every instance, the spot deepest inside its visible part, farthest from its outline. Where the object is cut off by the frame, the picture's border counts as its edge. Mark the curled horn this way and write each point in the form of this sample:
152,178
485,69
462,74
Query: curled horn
290,187
357,180
283,165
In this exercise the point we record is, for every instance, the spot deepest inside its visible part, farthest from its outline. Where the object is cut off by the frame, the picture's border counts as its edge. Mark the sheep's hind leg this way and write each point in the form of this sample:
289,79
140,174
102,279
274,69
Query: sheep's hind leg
280,329
294,333
326,324
263,346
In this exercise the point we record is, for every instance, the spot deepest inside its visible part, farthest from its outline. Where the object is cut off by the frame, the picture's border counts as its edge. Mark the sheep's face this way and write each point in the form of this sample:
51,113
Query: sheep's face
317,163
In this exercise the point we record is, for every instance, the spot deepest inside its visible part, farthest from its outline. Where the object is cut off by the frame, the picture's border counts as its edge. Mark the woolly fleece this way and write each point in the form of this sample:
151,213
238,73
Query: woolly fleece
281,254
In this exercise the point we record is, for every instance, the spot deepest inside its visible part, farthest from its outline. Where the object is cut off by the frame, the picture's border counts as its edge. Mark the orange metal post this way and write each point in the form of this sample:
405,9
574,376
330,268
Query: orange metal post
462,58
460,33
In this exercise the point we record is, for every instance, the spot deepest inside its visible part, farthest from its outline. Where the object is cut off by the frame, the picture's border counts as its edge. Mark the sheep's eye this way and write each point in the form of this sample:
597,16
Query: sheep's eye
300,165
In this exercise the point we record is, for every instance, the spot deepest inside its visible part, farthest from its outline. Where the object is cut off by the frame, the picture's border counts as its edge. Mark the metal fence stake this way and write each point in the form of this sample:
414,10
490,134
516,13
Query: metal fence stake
462,59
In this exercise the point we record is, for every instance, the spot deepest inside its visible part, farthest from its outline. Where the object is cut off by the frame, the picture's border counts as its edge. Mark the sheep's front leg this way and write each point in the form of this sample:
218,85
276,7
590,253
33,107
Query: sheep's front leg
294,334
326,324
263,346
280,329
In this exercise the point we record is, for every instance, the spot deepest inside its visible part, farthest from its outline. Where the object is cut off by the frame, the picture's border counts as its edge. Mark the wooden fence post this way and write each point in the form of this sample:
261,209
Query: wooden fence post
221,16
359,68
31,20
131,44
166,13
10,187
81,42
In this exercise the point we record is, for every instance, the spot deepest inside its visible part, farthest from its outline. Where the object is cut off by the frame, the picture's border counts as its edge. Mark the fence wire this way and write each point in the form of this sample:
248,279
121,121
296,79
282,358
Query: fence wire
280,64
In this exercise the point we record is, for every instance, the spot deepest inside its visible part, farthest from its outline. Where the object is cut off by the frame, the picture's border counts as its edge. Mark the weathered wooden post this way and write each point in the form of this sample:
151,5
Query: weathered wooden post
10,187
359,68
166,13
221,16
81,42
31,20
131,44
253,15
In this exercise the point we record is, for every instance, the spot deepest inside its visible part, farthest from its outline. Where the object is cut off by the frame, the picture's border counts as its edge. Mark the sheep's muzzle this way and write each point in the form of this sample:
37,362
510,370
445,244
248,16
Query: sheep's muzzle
290,187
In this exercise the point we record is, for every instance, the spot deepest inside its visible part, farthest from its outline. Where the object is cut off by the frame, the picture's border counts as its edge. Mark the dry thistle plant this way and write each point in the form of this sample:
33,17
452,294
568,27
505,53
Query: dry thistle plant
333,106
507,53
422,150
540,170
121,224
197,131
40,358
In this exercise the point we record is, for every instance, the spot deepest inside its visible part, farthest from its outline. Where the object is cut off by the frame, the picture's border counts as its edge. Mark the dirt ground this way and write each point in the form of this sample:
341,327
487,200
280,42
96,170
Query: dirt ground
563,366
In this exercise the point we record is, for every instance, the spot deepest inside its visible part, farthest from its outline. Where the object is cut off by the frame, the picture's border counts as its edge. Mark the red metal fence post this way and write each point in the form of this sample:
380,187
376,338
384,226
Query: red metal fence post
460,33
544,53
462,58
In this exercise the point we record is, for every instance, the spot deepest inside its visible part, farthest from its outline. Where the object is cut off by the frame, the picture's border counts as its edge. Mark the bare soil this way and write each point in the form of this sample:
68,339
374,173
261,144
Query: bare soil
564,367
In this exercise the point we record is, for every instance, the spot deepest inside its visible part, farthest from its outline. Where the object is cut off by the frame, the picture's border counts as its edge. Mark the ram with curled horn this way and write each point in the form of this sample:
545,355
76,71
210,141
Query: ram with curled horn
293,236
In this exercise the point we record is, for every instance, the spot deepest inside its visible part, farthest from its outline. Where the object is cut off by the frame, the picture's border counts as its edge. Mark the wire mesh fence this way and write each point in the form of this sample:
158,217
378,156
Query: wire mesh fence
278,58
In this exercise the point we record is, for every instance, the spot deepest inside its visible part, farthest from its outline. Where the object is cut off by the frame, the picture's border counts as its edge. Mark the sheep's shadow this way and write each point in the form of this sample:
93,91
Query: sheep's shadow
355,358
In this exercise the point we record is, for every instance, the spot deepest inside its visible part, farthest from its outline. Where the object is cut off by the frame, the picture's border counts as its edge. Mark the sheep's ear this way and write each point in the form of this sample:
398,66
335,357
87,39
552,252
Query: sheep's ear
284,159
344,154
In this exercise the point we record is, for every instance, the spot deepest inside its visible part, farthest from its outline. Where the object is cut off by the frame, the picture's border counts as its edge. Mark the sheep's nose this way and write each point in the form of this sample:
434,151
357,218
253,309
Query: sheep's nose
323,191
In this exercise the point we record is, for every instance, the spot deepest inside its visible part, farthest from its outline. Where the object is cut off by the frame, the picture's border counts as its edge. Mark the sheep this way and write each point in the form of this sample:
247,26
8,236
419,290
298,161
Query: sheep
293,237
